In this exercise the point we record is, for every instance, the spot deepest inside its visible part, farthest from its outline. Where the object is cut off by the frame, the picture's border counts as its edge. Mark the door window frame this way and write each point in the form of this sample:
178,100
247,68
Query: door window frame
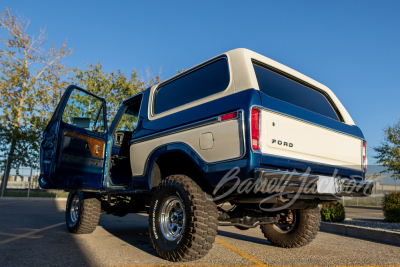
125,105
65,101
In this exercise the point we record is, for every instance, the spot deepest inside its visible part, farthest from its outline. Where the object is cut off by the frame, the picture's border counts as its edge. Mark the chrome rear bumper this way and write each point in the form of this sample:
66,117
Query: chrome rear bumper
272,181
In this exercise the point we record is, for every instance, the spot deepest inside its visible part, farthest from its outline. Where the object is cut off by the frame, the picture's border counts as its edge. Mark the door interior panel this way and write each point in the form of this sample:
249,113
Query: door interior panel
73,149
81,152
95,146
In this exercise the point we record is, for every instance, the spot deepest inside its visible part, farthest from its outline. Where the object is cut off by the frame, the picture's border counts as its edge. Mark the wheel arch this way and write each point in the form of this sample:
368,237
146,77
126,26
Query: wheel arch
176,158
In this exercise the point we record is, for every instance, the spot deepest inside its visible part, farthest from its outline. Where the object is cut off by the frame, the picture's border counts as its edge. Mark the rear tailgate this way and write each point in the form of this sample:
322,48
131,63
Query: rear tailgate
285,136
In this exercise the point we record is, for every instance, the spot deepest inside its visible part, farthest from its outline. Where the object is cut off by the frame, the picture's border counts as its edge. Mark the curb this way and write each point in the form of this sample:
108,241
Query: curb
382,236
34,198
363,207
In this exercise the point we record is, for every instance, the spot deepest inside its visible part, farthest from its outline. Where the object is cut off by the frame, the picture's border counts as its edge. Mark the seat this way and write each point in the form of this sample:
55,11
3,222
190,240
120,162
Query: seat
121,173
124,150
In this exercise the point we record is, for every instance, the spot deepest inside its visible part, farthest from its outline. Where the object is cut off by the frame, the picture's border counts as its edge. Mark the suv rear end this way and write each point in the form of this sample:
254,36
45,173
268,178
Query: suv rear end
301,131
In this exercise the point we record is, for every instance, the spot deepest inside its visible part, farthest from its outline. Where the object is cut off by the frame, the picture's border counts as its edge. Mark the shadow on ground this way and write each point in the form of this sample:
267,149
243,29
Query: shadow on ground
52,247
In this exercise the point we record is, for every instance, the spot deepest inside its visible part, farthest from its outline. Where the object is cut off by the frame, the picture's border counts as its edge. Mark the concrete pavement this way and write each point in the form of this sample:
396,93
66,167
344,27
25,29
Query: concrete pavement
32,232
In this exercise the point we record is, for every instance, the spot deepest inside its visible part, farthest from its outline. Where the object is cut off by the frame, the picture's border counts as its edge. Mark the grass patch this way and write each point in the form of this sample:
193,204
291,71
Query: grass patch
35,194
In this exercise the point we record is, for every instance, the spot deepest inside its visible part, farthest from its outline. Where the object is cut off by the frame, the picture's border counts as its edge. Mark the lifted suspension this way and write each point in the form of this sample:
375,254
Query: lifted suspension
245,219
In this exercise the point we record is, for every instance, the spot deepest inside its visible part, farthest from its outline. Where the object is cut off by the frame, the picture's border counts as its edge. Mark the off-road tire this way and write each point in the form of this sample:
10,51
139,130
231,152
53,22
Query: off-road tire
88,215
201,224
303,232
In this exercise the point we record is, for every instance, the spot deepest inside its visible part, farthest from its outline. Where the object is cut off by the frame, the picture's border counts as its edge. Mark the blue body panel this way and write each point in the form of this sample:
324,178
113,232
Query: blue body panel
212,172
242,100
94,178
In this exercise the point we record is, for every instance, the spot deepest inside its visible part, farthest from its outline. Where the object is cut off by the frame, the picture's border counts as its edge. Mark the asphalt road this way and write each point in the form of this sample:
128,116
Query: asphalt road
32,232
370,213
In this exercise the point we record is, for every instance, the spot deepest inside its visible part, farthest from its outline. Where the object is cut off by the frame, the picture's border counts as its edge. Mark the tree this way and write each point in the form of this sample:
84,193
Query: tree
388,153
30,87
114,87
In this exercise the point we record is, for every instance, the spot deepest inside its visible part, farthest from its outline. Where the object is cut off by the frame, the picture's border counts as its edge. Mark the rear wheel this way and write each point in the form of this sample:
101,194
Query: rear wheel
183,220
295,228
83,212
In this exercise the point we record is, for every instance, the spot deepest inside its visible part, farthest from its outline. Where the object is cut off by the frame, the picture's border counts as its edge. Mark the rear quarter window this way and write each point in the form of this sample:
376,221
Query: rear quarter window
282,88
205,81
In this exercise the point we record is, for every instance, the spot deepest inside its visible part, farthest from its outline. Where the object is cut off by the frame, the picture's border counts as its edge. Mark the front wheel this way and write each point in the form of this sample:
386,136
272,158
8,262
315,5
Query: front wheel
83,212
295,228
183,220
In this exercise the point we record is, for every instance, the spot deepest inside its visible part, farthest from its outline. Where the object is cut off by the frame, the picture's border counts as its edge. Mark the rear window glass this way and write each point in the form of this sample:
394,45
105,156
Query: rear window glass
208,80
282,88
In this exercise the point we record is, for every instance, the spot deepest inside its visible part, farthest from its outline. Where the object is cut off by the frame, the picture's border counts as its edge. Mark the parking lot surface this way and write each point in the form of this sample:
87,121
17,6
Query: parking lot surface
33,232
364,213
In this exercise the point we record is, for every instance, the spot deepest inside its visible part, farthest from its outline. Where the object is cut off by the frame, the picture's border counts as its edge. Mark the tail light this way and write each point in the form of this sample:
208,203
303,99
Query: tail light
255,129
364,155
229,116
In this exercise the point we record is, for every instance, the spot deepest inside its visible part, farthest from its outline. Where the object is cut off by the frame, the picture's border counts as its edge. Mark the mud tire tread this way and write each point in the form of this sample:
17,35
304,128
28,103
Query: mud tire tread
306,230
89,214
202,220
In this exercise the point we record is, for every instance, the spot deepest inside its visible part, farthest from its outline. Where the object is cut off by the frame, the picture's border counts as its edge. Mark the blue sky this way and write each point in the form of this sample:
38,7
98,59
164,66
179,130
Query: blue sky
350,46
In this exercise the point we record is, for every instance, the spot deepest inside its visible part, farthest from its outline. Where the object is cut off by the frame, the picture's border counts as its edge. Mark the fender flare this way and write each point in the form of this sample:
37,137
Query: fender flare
179,147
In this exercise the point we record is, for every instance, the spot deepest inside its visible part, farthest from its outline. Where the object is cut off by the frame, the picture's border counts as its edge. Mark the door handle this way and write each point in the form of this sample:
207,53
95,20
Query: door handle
97,149
49,142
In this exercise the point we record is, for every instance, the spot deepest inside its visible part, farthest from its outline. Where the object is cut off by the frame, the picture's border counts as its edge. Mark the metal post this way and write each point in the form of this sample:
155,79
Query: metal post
343,200
376,197
395,188
30,180
57,194
357,201
5,176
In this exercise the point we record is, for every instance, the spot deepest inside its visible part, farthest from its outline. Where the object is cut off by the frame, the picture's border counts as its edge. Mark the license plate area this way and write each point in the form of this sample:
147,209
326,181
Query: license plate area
329,185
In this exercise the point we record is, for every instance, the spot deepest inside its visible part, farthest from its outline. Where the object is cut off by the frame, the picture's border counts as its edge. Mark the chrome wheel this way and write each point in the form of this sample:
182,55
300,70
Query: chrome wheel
74,209
172,218
286,221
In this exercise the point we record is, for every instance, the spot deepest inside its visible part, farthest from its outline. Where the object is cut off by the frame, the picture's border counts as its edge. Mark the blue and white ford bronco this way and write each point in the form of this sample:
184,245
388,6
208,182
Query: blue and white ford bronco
239,128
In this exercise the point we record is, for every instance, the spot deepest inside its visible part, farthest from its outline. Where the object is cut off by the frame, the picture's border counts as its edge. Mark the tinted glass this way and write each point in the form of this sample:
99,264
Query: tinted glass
279,87
208,80
84,111
130,118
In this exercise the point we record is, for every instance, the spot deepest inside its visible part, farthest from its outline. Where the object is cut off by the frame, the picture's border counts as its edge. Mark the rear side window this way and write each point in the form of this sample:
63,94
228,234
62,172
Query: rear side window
205,81
282,88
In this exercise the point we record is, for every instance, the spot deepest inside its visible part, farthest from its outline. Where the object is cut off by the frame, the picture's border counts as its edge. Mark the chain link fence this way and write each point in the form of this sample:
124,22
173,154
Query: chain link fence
384,183
23,180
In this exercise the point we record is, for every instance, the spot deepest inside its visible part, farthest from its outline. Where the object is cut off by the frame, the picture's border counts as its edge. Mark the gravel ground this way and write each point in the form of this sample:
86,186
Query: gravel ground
375,224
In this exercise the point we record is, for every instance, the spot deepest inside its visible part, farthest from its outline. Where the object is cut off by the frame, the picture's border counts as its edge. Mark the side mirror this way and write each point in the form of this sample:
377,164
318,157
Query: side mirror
81,122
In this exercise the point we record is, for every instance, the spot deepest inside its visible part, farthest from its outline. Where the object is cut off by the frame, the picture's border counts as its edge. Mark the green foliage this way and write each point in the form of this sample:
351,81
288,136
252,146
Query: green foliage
82,105
128,121
30,87
333,213
114,87
32,81
388,153
391,207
